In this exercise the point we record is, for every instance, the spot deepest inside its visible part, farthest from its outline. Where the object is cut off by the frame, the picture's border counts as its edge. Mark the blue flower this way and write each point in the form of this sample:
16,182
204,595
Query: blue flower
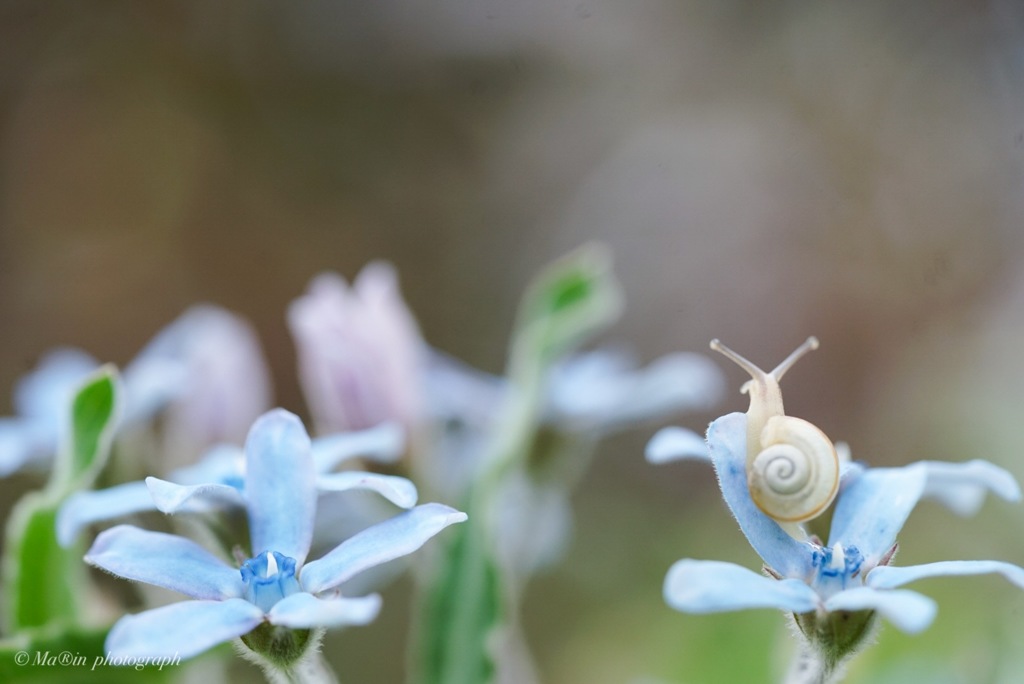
205,372
275,586
41,400
218,480
852,572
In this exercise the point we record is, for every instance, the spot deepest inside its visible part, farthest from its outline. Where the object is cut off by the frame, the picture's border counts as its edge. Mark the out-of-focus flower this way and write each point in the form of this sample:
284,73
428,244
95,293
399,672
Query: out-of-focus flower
849,574
275,589
606,390
205,371
41,399
588,396
360,353
218,481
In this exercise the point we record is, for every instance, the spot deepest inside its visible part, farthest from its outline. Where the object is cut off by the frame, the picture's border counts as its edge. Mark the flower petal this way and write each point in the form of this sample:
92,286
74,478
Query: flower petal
209,367
359,350
887,577
696,586
280,485
393,538
961,487
171,498
302,610
907,610
873,506
727,442
87,507
221,463
675,443
397,490
604,390
458,391
46,392
383,444
23,443
181,629
165,560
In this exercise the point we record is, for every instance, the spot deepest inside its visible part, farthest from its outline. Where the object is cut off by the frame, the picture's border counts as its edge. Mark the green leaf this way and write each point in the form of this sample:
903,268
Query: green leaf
570,300
459,612
44,583
70,656
94,414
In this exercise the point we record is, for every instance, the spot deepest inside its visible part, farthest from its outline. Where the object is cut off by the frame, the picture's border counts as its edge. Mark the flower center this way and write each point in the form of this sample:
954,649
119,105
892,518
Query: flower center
835,566
269,577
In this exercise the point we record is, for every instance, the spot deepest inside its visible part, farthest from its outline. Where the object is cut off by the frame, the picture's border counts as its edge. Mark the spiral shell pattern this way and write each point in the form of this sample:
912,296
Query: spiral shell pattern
795,476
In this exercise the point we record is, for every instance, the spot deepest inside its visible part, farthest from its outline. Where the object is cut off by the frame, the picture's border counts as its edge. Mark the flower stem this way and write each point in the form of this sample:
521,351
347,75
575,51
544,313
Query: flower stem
312,669
808,667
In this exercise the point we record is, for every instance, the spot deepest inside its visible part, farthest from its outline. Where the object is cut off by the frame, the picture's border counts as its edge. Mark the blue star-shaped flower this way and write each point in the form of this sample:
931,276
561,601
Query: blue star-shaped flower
218,481
275,586
849,573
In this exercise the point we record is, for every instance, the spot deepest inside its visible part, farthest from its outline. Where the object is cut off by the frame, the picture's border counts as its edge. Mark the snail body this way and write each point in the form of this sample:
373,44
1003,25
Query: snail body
792,466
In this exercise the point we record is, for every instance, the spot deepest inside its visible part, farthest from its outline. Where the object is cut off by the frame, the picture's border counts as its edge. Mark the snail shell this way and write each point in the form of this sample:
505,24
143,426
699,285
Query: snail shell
792,467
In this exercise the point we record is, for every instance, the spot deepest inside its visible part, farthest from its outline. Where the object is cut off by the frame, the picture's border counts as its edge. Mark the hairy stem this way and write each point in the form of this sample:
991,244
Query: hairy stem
808,667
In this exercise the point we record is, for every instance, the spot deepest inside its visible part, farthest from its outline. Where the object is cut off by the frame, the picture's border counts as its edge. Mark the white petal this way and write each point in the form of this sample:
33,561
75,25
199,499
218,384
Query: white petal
695,586
181,629
171,498
383,444
393,538
873,506
909,611
165,560
962,487
887,577
280,485
675,443
397,490
304,610
87,507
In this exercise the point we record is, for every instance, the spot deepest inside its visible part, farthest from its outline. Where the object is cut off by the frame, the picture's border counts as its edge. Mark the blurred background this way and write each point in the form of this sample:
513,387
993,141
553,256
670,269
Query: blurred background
761,172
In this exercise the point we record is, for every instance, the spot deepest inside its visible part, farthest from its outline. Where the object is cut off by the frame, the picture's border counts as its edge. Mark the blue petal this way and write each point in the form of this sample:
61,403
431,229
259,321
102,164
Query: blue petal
393,538
45,393
208,365
221,464
887,577
695,586
397,490
181,629
456,390
302,610
150,383
280,485
87,507
165,560
604,390
727,441
907,610
171,498
962,487
873,506
383,444
23,441
675,443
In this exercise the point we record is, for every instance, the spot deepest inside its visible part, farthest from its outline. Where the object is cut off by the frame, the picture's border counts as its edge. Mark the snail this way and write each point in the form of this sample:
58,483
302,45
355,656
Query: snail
792,467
